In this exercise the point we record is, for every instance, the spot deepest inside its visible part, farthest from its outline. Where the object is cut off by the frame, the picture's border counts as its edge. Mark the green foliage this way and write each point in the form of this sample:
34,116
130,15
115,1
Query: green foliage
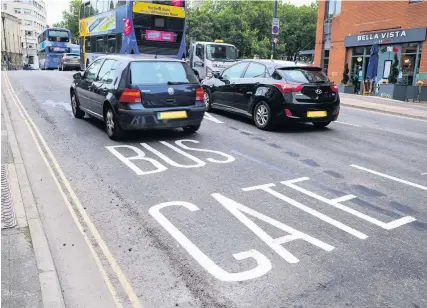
394,70
345,76
247,25
70,20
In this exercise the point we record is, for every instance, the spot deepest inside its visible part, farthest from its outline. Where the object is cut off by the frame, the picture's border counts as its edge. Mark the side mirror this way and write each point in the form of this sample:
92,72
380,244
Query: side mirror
78,75
217,75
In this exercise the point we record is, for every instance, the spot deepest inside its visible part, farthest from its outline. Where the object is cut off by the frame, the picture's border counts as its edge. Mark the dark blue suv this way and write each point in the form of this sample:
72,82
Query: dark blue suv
135,93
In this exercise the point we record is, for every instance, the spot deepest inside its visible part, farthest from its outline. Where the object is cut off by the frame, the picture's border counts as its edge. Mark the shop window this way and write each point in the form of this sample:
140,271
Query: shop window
358,51
325,63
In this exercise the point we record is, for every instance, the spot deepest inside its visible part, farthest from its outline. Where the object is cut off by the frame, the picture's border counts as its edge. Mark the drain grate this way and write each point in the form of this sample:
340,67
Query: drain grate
8,219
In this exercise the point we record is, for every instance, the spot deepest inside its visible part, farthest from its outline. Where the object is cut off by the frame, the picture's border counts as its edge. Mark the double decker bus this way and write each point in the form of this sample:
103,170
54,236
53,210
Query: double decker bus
53,42
131,27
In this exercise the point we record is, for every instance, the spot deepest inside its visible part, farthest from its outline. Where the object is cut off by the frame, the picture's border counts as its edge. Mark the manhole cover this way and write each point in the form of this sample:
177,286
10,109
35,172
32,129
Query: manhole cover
8,219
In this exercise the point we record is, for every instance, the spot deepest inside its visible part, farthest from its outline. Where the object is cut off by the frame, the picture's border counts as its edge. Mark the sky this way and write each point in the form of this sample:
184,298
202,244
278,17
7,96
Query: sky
55,8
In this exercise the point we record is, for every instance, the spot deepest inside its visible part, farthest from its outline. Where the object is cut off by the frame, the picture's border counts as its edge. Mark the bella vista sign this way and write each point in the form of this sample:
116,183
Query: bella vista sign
387,37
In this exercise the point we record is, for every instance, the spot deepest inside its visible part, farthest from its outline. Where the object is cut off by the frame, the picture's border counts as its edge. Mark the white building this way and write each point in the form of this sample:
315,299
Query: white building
32,14
11,49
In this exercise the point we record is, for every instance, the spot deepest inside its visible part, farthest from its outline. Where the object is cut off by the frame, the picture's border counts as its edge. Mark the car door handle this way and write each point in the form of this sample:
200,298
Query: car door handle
248,94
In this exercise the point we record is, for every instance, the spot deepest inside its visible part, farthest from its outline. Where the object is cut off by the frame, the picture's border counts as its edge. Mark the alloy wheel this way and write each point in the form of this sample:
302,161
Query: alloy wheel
206,100
262,115
110,122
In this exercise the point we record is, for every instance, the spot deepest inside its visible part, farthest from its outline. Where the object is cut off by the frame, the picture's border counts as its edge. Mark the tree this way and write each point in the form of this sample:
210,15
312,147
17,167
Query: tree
394,70
247,25
70,19
345,76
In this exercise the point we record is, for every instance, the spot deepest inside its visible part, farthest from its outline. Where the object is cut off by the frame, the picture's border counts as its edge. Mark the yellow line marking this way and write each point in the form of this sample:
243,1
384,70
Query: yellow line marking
95,233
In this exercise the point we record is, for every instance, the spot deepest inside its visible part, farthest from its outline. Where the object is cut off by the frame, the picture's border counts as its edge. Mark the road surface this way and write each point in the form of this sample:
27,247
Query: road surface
231,216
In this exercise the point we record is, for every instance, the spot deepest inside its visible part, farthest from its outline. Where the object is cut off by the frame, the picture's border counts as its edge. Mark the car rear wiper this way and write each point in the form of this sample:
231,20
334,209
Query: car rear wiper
176,82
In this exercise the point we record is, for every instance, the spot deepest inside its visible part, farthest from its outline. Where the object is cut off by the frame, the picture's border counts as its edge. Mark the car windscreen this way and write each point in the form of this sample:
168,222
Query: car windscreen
303,75
161,72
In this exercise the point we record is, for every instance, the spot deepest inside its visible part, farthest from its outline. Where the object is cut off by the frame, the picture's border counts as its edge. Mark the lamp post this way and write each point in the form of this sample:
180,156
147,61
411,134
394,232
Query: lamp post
275,30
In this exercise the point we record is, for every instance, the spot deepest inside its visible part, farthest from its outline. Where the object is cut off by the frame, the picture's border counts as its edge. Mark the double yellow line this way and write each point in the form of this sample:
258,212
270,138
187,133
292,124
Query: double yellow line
60,178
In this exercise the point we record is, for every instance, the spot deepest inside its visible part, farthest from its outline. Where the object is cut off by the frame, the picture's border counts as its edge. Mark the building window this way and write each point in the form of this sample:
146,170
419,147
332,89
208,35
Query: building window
4,6
17,11
27,12
31,60
415,1
334,8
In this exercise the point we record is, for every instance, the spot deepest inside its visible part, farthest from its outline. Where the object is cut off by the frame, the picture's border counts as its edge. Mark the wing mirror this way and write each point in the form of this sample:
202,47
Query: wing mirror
78,75
217,75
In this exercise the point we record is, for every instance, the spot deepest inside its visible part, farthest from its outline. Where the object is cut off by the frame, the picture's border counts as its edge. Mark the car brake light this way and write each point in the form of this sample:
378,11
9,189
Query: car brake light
130,96
334,88
288,113
288,87
200,94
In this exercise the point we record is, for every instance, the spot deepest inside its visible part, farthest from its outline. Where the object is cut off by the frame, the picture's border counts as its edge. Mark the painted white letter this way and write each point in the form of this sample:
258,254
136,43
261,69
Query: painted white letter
236,209
263,263
140,156
337,204
199,163
267,188
228,160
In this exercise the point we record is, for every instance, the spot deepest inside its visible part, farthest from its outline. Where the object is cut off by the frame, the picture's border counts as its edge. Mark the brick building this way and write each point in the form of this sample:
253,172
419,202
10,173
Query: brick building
346,31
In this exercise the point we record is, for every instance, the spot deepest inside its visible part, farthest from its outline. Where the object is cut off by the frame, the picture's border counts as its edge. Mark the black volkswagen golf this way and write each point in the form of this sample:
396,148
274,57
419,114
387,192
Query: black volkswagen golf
133,93
271,91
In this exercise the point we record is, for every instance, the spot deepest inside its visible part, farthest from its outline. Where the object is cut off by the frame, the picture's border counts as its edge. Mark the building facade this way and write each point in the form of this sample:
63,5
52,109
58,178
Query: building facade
346,31
11,48
32,14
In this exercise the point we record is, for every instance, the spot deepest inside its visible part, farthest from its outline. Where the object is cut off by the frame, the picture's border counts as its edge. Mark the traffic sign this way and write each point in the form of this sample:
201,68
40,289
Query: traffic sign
275,26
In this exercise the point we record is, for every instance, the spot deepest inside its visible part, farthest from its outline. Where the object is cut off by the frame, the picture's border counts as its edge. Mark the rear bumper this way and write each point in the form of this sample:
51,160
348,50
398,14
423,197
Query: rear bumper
148,118
72,65
299,112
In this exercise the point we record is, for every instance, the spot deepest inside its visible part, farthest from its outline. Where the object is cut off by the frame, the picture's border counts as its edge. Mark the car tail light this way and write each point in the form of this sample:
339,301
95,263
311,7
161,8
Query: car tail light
200,94
337,111
130,96
288,113
288,87
334,88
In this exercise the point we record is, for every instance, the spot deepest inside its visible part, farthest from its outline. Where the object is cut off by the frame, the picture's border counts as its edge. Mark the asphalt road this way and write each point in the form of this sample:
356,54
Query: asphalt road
341,223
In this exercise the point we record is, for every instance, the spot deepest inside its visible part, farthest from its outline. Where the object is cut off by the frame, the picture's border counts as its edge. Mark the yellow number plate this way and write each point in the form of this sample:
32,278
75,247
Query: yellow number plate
172,115
316,114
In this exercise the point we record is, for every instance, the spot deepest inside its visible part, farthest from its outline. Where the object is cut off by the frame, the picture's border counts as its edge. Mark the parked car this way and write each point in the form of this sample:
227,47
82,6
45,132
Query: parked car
133,93
271,91
69,61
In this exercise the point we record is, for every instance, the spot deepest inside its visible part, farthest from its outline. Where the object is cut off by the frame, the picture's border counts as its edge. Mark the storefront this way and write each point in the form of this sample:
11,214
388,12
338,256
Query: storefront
406,43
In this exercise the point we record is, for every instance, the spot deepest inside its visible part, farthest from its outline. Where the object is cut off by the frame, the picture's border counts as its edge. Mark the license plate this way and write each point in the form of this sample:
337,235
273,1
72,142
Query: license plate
172,115
75,61
316,114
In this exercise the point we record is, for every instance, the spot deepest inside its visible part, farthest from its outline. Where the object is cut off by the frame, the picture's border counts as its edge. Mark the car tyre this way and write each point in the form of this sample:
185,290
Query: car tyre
262,116
114,131
321,124
59,68
207,100
191,128
77,112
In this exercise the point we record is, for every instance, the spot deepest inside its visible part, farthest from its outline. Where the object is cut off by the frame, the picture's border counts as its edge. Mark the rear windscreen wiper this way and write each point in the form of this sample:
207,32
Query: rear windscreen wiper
176,82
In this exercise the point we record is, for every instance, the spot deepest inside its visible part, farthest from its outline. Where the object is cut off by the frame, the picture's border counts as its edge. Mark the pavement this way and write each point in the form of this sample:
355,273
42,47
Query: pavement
408,109
231,216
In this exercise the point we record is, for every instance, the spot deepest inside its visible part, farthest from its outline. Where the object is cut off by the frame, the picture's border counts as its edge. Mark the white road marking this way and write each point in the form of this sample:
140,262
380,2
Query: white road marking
228,157
263,263
238,209
267,188
390,177
345,123
199,163
425,173
95,233
209,117
335,203
140,156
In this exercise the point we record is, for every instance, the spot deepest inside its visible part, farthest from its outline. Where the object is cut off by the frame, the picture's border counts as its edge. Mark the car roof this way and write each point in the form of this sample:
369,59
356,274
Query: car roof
271,64
132,58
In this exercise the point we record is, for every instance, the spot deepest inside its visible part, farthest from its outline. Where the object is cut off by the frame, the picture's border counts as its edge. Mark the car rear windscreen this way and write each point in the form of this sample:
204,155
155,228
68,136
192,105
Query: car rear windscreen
161,72
72,55
303,75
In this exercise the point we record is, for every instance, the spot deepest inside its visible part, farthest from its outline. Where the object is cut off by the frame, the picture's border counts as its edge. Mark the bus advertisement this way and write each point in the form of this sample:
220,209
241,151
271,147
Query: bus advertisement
53,42
131,27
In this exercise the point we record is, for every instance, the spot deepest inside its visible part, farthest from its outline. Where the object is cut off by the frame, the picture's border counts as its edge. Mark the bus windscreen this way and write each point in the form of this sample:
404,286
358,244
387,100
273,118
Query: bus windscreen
58,36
